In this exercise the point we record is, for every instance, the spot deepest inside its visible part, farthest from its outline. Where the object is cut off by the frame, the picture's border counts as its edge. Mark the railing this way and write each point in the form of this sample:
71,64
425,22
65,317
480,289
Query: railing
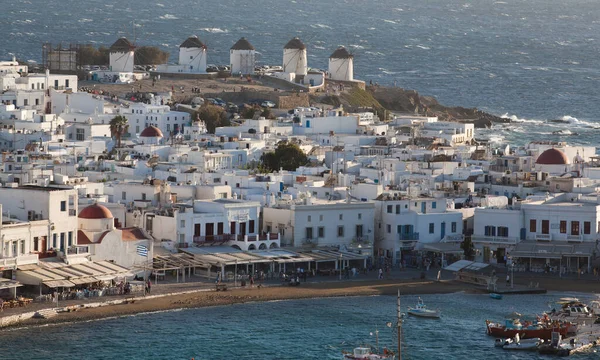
494,239
543,237
72,212
78,250
452,238
214,238
574,237
19,260
409,236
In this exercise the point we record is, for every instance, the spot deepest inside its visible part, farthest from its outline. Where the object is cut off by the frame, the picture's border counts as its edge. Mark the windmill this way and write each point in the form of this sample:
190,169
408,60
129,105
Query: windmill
294,57
121,55
192,54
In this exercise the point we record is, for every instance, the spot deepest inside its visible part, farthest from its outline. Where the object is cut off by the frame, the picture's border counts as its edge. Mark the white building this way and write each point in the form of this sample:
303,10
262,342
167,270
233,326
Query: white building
141,116
312,222
341,65
242,57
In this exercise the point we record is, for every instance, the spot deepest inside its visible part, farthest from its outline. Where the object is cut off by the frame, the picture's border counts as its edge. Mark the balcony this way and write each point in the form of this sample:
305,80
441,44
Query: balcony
500,240
72,212
409,236
214,238
13,262
543,237
453,238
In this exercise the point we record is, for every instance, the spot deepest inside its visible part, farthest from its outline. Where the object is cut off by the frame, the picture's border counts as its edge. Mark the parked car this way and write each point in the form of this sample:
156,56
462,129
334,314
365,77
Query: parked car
267,104
233,108
255,102
212,69
220,102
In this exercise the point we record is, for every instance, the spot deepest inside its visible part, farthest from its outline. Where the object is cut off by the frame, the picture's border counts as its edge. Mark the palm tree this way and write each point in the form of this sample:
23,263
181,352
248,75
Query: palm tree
118,127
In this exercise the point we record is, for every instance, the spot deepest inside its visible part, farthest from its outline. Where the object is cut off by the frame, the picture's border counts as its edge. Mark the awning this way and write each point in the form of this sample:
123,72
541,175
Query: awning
466,265
445,248
84,280
105,277
58,283
9,284
552,250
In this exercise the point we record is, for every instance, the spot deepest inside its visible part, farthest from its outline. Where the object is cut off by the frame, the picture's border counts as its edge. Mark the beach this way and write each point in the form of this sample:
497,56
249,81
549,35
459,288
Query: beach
207,297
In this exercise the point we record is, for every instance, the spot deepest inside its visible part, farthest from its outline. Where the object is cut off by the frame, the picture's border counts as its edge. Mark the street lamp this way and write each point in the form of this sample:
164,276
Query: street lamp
341,265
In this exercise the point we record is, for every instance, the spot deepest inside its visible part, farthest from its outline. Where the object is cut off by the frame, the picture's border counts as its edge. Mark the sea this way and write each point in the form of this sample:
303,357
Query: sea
296,329
531,61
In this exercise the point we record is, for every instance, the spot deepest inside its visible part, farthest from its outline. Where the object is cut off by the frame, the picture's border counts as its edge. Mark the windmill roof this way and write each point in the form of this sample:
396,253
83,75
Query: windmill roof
242,44
192,42
341,53
122,45
295,43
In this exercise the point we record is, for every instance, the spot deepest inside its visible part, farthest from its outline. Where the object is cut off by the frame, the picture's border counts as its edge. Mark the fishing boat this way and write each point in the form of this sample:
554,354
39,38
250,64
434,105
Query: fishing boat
496,296
527,330
421,310
367,353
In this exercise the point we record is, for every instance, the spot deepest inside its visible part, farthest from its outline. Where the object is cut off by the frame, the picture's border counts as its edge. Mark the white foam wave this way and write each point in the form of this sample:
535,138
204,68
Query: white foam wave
371,28
390,21
215,30
515,118
160,5
84,20
423,47
322,26
357,46
168,17
319,47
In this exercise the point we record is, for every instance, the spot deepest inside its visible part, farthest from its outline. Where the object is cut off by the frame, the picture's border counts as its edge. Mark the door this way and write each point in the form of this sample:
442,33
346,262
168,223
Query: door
197,230
210,231
43,245
359,231
307,123
423,207
443,229
242,228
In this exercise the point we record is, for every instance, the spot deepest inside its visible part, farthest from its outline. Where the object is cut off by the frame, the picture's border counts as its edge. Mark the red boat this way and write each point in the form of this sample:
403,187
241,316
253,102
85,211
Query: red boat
526,331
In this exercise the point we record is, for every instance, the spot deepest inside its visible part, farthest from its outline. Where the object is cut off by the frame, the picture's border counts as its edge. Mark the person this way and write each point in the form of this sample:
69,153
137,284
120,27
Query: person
507,279
380,273
251,280
149,285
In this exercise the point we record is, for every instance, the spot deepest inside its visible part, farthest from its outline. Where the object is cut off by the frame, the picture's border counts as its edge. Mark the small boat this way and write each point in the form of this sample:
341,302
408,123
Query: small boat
496,296
365,353
421,310
517,344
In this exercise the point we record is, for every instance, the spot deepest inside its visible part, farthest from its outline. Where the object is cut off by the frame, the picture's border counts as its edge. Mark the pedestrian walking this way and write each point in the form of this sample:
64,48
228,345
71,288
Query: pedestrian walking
149,286
380,273
507,279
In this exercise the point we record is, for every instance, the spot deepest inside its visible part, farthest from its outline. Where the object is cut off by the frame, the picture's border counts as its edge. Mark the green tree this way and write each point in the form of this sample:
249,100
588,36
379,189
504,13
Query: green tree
118,127
287,156
150,55
214,117
267,114
468,248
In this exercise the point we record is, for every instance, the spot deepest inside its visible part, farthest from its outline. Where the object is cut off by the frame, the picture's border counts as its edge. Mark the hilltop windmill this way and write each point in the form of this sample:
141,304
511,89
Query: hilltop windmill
121,55
192,54
341,65
294,57
242,57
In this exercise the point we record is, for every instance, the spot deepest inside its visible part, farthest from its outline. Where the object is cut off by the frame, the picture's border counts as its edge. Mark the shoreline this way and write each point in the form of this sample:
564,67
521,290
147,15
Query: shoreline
203,297
209,298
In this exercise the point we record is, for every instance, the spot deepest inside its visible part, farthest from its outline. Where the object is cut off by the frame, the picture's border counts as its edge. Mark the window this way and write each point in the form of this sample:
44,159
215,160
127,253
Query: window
502,231
321,232
182,238
453,227
320,217
434,205
182,223
251,226
563,226
389,228
587,227
532,225
36,244
63,206
397,209
359,231
56,83
80,134
340,231
168,127
359,216
574,227
490,230
220,228
309,218
309,233
431,228
390,208
123,195
545,226
22,247
25,102
54,241
399,229
37,101
143,196
70,239
342,217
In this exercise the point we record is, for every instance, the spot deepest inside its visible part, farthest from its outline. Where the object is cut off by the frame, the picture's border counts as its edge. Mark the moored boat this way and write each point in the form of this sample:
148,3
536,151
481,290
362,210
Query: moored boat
365,353
519,344
526,331
496,296
421,310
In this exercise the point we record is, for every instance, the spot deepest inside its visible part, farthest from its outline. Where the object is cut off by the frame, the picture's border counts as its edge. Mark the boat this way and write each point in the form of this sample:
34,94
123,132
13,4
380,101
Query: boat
573,311
527,330
496,296
517,343
560,347
367,353
421,310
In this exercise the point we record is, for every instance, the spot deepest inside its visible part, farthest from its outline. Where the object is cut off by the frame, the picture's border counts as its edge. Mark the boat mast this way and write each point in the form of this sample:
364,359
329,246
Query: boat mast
399,325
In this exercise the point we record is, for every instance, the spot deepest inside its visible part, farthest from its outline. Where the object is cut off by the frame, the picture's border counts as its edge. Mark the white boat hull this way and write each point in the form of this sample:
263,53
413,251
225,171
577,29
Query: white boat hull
424,313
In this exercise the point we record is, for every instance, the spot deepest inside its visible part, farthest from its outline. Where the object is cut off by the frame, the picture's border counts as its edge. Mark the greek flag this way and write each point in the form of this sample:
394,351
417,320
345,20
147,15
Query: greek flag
142,250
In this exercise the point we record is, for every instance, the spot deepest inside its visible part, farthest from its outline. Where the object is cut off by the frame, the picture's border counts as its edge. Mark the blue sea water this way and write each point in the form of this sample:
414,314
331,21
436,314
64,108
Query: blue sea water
299,329
534,60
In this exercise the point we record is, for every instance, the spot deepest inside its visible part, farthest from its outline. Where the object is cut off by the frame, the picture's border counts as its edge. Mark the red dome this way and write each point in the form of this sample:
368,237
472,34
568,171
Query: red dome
95,212
151,131
552,157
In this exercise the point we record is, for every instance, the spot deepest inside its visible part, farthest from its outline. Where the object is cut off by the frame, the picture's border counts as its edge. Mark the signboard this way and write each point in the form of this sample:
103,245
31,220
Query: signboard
241,216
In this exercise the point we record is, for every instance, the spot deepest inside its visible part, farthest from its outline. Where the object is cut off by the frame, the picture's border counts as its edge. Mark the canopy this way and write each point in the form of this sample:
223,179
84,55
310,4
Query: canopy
9,284
444,247
552,250
58,283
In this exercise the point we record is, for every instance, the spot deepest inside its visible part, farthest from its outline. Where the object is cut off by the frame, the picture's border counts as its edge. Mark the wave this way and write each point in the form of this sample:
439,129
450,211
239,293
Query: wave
160,5
390,21
168,17
514,118
360,47
423,47
322,26
84,20
319,47
215,30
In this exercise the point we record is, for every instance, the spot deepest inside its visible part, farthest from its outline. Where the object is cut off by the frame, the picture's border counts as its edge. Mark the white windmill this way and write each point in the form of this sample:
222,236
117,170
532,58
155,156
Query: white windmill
242,57
121,57
294,57
341,65
192,55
